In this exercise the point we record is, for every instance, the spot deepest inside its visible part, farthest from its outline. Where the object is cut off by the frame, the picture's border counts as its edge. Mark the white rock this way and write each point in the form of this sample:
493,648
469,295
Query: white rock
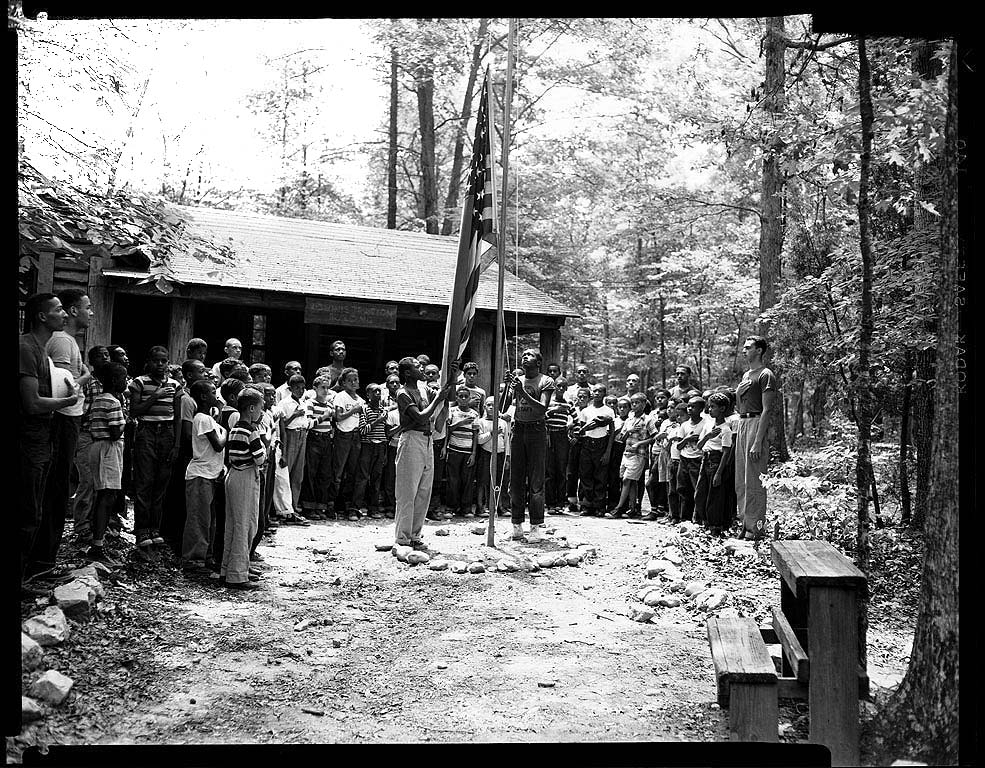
694,587
655,567
383,546
530,566
402,552
559,560
669,602
653,598
457,566
52,687
476,568
30,652
745,552
673,555
75,598
478,529
545,561
416,558
88,570
671,575
94,584
438,565
507,566
573,559
641,616
587,549
303,624
675,586
711,599
48,628
101,568
441,532
30,709
641,595
731,545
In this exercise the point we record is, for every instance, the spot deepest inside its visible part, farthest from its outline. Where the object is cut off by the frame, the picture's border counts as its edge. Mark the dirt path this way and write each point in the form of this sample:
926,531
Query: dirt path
401,653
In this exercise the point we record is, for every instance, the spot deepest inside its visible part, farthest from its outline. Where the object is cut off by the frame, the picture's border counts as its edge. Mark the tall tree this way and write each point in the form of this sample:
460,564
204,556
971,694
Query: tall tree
391,165
863,408
924,709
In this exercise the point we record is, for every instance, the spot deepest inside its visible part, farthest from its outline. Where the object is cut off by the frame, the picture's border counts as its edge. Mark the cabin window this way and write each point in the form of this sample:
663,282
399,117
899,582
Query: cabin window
259,345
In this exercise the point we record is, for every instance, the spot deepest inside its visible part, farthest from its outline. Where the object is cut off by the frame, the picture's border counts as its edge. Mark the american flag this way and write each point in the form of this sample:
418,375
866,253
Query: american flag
476,236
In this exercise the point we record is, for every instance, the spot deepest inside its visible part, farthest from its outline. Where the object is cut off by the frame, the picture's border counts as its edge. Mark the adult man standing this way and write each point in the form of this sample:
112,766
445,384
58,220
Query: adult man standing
234,348
684,384
64,352
43,315
293,367
581,382
632,387
337,365
196,349
756,397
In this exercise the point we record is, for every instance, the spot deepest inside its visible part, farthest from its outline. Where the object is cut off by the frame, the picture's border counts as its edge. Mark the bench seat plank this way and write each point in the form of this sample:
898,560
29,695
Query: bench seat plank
814,563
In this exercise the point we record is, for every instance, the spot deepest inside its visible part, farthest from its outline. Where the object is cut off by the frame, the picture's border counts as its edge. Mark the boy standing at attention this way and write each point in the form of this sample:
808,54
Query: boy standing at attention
153,399
690,467
372,454
246,456
528,444
716,444
484,439
471,372
392,427
320,413
595,427
203,472
679,415
349,408
637,435
462,436
293,436
106,423
558,418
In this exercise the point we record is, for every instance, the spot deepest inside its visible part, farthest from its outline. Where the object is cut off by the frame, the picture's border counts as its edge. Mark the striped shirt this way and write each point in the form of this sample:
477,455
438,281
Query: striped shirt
377,432
315,410
92,389
245,448
143,387
559,415
460,437
105,413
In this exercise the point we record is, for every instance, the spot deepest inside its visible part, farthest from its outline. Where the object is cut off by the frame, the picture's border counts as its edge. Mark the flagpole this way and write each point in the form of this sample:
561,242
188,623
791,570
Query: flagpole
501,245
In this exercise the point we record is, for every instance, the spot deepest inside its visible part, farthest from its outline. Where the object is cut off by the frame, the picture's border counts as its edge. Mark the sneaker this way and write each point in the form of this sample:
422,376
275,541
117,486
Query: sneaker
156,538
256,557
420,545
518,533
434,516
615,515
363,511
536,533
468,513
446,515
145,541
353,517
652,516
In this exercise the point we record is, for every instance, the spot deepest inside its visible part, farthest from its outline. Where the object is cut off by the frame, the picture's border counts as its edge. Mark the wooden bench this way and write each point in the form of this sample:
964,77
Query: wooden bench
746,678
819,590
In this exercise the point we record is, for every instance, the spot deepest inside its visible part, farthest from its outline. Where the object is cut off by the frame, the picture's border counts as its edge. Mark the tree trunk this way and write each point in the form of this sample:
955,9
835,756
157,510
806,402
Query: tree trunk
819,398
663,348
429,170
391,162
928,695
863,410
454,180
904,442
771,191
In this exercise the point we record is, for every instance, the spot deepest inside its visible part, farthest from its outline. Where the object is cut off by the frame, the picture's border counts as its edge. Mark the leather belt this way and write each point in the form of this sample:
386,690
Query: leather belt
750,415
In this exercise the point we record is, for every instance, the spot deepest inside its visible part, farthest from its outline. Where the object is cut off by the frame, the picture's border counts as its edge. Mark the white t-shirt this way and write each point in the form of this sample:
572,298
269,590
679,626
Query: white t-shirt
286,408
690,451
589,413
64,351
724,439
344,400
485,431
206,461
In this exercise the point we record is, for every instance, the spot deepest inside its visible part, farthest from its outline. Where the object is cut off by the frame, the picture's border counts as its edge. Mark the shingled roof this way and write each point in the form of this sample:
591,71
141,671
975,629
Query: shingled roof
317,258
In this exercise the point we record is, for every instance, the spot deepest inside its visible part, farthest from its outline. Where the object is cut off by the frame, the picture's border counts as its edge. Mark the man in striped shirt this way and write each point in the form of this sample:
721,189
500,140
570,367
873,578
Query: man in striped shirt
372,454
152,404
246,453
559,416
82,503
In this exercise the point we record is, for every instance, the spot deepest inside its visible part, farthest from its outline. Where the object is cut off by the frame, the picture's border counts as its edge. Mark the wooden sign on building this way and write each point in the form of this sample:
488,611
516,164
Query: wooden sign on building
359,314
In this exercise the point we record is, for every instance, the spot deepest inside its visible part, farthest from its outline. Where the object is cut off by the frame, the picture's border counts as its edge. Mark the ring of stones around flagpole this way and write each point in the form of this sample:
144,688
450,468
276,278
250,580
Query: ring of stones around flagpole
573,552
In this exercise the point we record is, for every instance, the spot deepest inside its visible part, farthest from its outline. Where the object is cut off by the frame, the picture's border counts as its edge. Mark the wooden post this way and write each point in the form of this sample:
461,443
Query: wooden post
481,351
46,272
753,712
101,295
550,346
833,653
182,328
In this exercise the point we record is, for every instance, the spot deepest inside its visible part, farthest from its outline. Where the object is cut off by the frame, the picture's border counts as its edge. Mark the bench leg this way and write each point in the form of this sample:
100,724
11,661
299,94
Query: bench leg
752,712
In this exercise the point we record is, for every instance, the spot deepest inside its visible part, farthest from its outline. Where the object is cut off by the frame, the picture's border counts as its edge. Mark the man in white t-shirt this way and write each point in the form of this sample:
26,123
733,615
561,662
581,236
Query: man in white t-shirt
349,410
689,470
65,354
595,430
234,349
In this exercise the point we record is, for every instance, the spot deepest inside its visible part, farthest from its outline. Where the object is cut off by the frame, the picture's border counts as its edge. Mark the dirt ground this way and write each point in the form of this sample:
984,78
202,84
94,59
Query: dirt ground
397,653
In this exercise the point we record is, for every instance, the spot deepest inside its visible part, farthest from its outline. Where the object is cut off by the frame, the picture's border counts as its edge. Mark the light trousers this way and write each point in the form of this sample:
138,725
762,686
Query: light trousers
412,486
749,491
